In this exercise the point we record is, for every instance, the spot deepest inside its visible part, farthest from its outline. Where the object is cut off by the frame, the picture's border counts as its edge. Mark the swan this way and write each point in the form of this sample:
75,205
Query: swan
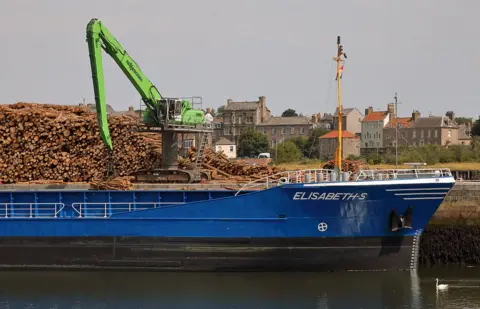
441,286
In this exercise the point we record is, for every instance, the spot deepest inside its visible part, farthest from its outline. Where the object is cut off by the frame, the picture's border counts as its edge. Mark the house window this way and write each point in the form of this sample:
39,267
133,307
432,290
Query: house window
187,143
226,131
414,134
302,131
429,133
273,142
292,130
283,130
449,132
265,131
435,133
274,131
421,133
231,148
239,119
233,131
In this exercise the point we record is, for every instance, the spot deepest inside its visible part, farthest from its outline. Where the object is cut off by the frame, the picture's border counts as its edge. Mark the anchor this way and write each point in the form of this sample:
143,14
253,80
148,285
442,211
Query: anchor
404,221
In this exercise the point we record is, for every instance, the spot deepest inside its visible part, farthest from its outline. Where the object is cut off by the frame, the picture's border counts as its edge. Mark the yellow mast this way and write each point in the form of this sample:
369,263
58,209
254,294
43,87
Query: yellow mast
338,59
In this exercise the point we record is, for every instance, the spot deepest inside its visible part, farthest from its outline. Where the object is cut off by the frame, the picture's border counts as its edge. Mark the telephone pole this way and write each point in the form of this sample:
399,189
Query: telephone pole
396,129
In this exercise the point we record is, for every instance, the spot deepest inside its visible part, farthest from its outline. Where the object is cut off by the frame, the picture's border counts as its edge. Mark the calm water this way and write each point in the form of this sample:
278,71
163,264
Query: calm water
90,290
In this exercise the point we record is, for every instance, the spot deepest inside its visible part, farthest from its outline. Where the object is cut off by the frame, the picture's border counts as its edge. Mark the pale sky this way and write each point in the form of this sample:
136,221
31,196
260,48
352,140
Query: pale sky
426,50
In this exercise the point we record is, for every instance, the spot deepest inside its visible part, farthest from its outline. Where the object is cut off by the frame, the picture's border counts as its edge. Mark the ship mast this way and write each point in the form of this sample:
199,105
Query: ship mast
338,59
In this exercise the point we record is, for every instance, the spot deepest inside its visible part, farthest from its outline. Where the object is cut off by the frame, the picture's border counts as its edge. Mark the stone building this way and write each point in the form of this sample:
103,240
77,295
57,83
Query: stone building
279,129
420,131
327,144
241,115
228,147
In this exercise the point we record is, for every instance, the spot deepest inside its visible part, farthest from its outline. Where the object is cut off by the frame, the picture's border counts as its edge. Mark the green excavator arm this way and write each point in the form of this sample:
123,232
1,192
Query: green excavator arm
98,38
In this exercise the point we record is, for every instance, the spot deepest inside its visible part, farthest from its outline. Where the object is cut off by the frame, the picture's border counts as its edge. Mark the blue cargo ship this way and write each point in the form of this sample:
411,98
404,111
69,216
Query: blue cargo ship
306,220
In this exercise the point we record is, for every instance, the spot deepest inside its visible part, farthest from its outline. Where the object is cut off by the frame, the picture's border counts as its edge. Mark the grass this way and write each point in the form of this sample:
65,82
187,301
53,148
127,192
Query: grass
310,164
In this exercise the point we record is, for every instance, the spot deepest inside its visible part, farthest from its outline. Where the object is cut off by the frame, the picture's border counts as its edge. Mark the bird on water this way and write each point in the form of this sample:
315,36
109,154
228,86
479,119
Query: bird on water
441,286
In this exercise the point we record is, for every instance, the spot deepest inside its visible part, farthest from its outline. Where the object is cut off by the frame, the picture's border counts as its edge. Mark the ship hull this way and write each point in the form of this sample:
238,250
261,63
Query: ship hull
187,254
314,227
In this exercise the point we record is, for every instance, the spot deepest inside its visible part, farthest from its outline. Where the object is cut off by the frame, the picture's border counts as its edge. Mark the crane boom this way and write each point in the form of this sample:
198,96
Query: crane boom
98,38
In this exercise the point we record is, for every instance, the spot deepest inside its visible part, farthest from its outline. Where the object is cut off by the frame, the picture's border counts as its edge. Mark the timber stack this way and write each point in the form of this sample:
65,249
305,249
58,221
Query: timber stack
56,142
352,166
224,167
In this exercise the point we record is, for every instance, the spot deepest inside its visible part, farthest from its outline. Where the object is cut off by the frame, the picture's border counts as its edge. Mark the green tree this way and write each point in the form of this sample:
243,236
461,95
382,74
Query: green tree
310,150
252,143
476,128
289,113
286,152
220,110
462,120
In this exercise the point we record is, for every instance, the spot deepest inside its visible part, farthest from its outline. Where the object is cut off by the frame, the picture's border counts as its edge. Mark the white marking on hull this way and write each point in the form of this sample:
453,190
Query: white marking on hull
383,182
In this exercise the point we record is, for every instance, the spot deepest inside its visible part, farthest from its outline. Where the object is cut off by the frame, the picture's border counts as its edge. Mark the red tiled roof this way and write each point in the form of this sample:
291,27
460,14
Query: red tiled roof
404,122
334,134
375,116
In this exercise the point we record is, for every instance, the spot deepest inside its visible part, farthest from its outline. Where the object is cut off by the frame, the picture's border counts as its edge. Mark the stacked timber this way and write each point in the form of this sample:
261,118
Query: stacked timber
62,143
352,166
222,166
117,183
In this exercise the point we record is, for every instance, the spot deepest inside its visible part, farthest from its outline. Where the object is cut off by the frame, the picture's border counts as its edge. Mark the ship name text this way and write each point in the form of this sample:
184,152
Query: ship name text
304,196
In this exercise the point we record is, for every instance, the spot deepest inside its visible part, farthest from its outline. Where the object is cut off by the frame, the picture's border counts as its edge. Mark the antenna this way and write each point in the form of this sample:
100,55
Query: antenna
396,129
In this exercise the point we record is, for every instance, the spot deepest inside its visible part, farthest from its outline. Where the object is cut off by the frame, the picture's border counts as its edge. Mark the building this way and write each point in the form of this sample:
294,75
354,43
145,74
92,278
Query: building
351,120
279,129
372,130
228,147
239,116
465,134
217,128
327,145
420,131
390,135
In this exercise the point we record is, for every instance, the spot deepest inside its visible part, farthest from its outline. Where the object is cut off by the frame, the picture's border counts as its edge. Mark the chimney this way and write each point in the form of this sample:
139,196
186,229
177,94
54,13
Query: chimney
451,115
209,110
263,108
391,111
368,110
130,108
314,118
415,115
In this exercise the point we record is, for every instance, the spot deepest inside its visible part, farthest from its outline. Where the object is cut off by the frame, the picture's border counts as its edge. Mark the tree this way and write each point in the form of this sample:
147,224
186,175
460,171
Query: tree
463,120
289,113
286,152
476,128
252,143
220,111
310,150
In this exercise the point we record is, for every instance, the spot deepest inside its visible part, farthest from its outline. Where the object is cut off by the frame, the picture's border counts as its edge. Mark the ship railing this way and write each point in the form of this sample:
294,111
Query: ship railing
391,174
31,210
285,177
105,210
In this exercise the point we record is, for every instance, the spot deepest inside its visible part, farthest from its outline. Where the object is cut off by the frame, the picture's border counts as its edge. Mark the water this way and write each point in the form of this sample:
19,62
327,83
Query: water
82,290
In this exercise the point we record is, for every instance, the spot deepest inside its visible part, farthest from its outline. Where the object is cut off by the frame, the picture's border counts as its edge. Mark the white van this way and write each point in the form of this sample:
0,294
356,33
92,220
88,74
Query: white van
264,155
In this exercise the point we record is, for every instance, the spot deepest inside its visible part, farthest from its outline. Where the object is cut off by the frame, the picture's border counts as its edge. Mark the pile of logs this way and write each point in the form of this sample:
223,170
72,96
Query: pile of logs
347,165
222,165
117,183
55,142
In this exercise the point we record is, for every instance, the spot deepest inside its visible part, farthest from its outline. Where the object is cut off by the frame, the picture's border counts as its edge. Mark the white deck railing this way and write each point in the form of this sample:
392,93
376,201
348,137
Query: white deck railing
328,175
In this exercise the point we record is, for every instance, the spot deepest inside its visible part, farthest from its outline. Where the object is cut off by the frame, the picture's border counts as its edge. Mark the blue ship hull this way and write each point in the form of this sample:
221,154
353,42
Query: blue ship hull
314,226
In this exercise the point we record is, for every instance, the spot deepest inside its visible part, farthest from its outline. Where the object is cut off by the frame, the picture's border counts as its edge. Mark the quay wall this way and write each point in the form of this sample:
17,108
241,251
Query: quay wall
453,234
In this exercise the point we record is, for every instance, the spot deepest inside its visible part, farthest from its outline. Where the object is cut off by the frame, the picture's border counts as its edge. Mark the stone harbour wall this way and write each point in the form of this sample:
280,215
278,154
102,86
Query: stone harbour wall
453,234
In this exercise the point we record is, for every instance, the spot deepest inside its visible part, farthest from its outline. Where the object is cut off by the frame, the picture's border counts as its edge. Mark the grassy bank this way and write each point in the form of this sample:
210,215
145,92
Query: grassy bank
310,164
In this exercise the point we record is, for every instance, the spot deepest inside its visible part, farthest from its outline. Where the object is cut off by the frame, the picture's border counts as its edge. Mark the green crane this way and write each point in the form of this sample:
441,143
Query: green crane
172,115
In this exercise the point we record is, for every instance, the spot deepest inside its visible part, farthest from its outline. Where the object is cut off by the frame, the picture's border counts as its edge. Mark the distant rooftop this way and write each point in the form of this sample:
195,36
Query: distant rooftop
434,121
346,111
241,106
376,116
334,134
274,121
224,141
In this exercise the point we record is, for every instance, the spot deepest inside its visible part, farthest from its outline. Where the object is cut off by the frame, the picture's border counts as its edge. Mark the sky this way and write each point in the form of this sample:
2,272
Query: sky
425,50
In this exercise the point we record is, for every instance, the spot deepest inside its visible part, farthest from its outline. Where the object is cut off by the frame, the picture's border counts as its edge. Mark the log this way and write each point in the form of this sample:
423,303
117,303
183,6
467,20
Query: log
46,142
